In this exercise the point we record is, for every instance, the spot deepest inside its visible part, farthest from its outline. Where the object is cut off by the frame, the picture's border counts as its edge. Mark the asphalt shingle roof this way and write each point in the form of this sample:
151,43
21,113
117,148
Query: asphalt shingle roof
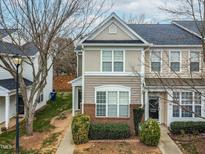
4,32
172,82
10,84
27,49
193,26
165,34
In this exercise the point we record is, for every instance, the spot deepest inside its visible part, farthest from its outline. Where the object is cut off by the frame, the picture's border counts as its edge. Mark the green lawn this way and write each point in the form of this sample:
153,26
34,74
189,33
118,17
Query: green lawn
42,121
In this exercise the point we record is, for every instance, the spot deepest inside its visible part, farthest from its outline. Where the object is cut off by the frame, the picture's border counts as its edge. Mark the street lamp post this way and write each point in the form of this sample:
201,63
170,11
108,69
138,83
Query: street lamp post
17,61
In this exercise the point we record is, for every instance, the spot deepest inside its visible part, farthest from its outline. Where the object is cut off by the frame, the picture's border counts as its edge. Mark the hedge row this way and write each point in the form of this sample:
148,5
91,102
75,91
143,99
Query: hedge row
109,131
188,127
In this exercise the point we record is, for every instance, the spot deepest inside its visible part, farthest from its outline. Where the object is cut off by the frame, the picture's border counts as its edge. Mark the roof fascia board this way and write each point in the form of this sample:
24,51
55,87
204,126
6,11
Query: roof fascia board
177,46
113,44
186,29
143,45
76,79
3,91
11,55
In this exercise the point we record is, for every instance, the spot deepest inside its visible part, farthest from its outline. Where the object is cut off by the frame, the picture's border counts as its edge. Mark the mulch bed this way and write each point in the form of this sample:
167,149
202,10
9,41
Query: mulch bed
189,143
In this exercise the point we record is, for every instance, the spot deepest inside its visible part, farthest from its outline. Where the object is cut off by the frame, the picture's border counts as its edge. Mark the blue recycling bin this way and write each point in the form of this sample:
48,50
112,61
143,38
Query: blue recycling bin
53,96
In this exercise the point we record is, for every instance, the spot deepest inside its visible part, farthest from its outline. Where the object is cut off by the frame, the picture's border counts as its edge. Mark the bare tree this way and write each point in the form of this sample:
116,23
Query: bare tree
138,19
66,61
193,10
41,22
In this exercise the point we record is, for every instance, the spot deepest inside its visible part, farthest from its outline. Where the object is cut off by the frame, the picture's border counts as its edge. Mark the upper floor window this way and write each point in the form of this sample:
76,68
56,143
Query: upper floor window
156,61
174,61
194,61
112,61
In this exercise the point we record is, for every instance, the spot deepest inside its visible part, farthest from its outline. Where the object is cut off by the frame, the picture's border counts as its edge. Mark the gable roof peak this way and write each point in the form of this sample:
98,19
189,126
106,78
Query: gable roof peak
118,19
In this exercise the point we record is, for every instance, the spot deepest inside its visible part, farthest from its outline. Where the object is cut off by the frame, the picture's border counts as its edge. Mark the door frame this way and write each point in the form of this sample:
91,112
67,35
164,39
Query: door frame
159,110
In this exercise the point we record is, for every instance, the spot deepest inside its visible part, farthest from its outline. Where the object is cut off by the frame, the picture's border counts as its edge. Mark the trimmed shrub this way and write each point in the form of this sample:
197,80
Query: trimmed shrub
188,127
80,128
138,114
109,131
150,132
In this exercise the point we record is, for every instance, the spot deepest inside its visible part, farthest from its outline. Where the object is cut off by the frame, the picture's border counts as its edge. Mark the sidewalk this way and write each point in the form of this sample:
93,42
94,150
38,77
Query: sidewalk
66,145
166,144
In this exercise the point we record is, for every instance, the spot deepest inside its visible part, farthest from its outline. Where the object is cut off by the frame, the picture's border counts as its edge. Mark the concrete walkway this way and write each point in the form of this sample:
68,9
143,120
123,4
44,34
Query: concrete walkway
66,145
166,144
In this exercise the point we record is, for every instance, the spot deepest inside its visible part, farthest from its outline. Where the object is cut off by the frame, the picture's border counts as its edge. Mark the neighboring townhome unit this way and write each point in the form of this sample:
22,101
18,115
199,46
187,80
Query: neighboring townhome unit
8,83
121,66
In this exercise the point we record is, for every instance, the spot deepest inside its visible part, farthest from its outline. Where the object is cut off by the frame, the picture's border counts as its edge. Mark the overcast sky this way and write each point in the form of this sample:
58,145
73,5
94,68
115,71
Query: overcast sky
126,8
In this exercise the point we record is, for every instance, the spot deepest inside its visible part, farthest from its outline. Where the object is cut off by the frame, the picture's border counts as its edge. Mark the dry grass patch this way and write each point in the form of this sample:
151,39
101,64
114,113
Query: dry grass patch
190,144
123,147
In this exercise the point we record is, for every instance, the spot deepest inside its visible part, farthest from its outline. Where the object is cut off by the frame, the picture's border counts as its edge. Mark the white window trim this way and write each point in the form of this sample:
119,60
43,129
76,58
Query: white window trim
159,50
107,88
193,105
112,50
180,60
189,61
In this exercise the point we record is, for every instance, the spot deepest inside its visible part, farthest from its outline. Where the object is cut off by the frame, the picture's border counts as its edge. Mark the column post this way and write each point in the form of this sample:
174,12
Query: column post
169,107
7,111
73,101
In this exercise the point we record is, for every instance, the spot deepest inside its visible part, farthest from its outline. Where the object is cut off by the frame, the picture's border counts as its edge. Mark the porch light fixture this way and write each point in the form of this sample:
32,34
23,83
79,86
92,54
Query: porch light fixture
17,61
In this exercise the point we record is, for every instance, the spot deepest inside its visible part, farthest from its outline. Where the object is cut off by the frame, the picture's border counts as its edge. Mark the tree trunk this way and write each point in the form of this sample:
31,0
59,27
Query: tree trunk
29,124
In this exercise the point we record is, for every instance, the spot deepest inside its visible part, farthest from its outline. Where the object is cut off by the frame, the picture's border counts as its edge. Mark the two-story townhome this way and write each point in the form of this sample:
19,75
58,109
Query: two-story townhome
155,66
7,82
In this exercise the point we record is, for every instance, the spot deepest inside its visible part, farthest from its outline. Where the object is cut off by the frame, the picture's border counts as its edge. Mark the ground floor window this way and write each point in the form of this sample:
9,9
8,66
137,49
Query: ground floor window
186,103
112,103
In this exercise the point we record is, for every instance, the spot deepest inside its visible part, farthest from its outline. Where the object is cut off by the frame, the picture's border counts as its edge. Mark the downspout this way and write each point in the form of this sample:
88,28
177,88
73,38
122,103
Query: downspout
83,84
143,84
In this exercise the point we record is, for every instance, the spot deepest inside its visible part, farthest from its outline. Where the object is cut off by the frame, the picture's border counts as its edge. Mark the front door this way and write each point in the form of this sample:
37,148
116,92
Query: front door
79,97
154,107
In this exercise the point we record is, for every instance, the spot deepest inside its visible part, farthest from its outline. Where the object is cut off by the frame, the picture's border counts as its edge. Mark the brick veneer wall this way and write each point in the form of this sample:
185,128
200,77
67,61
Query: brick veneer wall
90,110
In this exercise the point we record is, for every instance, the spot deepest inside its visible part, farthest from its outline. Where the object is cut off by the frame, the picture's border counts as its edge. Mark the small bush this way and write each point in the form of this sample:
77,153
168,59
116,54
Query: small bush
150,132
109,131
80,128
188,127
138,114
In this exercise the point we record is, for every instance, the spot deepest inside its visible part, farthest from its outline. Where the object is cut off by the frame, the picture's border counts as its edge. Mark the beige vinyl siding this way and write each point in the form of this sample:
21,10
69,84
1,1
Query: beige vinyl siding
133,61
105,35
165,68
92,61
94,81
